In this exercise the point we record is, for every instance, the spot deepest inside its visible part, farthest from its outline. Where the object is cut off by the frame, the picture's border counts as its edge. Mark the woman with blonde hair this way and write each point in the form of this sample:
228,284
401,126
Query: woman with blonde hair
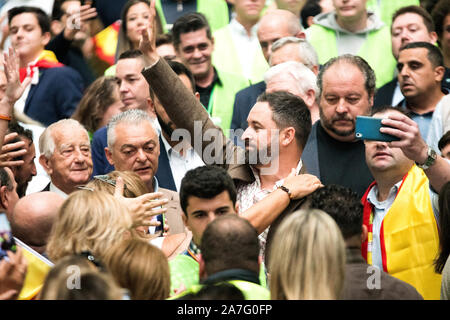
141,268
75,277
88,221
307,258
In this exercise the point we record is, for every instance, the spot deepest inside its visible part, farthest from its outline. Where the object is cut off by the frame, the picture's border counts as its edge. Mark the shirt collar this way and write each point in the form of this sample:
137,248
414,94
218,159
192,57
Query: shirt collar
373,193
239,28
55,189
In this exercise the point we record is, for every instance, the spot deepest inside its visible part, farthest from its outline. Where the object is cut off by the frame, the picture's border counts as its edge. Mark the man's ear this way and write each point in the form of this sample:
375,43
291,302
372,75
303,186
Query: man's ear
287,136
3,196
46,38
151,106
202,269
301,35
184,218
310,97
45,163
439,71
197,95
108,155
56,27
236,207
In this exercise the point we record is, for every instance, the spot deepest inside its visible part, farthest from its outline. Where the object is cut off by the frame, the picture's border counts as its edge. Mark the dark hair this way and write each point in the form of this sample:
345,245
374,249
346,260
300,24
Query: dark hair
180,69
342,204
311,9
385,108
14,126
440,11
188,23
444,227
217,291
131,54
289,110
165,38
434,54
95,102
5,179
41,16
230,242
445,140
206,182
357,61
426,17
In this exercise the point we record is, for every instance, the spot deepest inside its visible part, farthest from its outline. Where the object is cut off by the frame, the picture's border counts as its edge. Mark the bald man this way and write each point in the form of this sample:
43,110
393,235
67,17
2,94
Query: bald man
272,26
33,218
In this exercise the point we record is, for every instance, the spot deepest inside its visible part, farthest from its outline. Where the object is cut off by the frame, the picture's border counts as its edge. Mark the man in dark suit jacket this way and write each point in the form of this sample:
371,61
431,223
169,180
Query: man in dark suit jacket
409,24
55,90
274,25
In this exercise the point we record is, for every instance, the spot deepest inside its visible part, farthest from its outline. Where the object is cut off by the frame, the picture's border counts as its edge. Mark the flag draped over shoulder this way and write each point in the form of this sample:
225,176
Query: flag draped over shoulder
38,267
46,60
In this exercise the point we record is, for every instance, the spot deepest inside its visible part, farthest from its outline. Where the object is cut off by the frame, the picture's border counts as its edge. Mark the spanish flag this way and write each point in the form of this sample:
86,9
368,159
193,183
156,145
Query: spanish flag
105,43
46,60
38,267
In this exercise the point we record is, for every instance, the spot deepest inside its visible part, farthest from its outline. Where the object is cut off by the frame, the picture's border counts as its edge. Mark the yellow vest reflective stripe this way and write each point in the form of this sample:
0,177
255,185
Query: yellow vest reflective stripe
215,11
223,98
250,290
225,57
376,50
409,236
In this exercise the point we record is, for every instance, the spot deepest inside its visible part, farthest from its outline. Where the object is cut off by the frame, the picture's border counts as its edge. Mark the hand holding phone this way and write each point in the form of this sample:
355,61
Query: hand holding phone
368,128
7,243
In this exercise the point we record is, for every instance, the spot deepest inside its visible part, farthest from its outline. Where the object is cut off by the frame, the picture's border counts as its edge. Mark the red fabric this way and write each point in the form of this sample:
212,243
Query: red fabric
43,64
366,218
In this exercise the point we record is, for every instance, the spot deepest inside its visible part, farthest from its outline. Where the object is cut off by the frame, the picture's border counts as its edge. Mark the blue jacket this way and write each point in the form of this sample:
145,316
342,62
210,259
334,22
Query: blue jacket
102,166
56,96
244,102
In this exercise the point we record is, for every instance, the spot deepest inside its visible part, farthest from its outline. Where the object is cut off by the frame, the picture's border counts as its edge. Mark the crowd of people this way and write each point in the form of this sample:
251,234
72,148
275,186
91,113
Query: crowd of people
211,149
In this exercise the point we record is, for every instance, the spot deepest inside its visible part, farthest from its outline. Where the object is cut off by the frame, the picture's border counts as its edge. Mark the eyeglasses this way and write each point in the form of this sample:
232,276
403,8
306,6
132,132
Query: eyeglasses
107,179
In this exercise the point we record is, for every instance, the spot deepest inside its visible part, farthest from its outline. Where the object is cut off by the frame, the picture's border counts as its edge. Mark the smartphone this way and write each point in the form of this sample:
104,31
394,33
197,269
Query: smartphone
368,128
7,243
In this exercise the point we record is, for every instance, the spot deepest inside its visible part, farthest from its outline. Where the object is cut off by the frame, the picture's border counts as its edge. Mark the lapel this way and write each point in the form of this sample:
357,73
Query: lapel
164,172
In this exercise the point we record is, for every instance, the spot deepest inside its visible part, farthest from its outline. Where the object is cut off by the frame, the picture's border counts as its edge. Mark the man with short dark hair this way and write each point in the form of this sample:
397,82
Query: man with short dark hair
194,45
346,89
24,173
401,208
420,73
409,24
346,209
279,125
444,145
55,89
8,197
230,254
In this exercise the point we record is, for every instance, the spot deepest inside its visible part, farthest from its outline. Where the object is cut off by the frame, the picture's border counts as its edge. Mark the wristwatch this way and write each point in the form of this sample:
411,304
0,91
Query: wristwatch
432,155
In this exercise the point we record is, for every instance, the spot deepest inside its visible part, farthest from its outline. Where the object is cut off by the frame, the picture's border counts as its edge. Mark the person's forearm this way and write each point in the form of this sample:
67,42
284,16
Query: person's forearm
438,174
264,212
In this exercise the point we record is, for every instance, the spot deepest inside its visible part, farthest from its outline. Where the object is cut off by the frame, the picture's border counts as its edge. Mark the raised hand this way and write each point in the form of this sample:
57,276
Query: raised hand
78,20
142,208
411,142
14,89
11,150
147,44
